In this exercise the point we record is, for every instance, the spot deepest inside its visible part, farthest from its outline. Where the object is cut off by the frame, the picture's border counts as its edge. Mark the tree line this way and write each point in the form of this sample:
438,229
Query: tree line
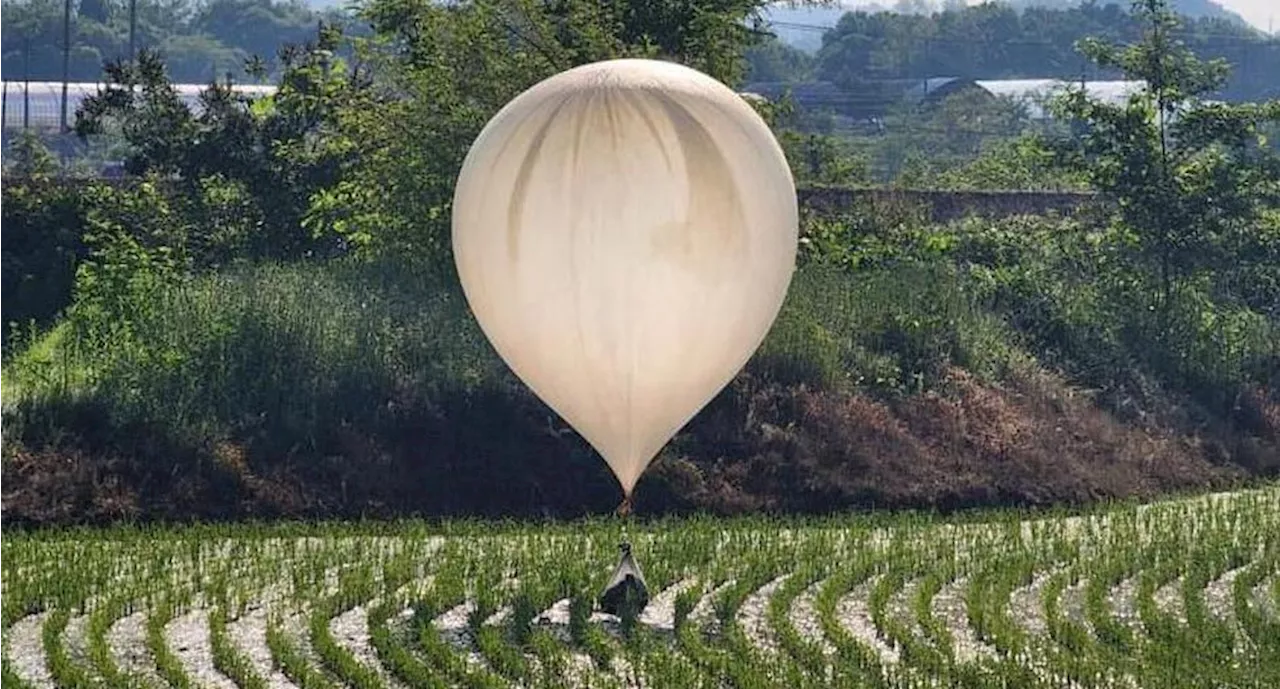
200,40
204,39
997,41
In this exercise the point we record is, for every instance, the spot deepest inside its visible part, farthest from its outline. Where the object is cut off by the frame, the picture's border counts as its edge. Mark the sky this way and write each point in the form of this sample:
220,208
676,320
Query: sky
1260,13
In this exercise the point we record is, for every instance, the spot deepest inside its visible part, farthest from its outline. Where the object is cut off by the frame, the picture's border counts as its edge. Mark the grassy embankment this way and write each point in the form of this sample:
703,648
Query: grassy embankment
977,363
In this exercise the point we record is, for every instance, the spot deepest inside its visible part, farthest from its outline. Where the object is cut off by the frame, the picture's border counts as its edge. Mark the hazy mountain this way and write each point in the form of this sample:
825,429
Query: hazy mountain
1190,8
802,27
324,4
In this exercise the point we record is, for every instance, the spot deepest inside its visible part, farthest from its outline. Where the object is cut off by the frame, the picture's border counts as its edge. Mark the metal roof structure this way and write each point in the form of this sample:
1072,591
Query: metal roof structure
1035,93
933,88
43,100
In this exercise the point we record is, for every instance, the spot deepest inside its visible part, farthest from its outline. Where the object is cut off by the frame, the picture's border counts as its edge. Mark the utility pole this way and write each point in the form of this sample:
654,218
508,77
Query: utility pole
925,72
26,83
133,27
66,58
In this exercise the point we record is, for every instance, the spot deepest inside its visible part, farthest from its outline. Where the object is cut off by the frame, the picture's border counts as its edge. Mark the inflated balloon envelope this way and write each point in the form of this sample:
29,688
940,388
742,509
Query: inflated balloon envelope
625,233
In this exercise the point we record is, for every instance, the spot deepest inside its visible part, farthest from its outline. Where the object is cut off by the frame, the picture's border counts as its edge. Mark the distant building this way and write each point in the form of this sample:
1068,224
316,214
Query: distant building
872,100
809,93
1035,94
933,89
43,109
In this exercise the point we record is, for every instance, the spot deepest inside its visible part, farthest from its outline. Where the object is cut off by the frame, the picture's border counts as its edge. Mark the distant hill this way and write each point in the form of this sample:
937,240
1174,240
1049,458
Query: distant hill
324,4
802,27
1190,8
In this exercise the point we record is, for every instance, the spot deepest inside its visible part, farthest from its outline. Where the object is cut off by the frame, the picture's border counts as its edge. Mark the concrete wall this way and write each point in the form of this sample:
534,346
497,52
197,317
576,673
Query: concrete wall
939,205
943,205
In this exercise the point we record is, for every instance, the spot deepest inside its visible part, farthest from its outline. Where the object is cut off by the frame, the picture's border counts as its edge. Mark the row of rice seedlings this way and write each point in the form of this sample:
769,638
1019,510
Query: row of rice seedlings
227,659
747,669
1129,545
292,661
538,590
811,660
935,630
355,587
12,609
987,601
1166,636
66,672
935,568
1223,539
693,633
502,572
1263,633
1106,647
1163,569
76,597
1214,639
114,608
1217,523
894,600
904,617
450,583
855,664
1096,648
395,657
167,664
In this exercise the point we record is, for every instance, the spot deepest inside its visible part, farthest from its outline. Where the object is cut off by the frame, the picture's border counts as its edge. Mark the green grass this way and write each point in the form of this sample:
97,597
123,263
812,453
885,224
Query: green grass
344,337
284,352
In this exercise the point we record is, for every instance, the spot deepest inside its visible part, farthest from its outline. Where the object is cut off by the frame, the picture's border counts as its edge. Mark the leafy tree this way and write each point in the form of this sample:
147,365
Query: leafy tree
197,39
1192,178
1196,190
42,219
97,10
1022,163
268,151
773,60
997,41
923,140
822,159
443,70
30,158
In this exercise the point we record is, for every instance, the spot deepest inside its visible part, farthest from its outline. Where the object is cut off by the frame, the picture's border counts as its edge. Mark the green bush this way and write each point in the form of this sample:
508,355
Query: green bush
309,345
892,330
43,243
279,351
280,355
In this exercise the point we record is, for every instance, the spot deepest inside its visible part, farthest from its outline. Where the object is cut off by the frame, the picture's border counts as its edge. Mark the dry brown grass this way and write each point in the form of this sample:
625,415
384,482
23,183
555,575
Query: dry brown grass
1033,440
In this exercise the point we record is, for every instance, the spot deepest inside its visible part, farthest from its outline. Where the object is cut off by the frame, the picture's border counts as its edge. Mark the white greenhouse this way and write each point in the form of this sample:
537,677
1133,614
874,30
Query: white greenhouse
38,104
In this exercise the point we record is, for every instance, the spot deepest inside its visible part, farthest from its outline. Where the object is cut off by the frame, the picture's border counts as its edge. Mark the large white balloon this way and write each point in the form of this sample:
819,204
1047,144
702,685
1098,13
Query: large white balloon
625,233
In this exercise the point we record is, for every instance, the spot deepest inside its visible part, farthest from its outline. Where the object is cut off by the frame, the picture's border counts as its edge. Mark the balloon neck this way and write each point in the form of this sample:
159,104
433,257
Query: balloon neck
625,508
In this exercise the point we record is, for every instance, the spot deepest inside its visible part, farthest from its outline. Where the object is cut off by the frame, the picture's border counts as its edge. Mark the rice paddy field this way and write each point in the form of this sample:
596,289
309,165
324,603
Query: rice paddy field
1178,593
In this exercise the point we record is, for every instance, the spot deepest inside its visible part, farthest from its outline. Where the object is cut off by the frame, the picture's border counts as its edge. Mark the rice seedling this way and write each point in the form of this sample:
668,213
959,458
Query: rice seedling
1177,593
